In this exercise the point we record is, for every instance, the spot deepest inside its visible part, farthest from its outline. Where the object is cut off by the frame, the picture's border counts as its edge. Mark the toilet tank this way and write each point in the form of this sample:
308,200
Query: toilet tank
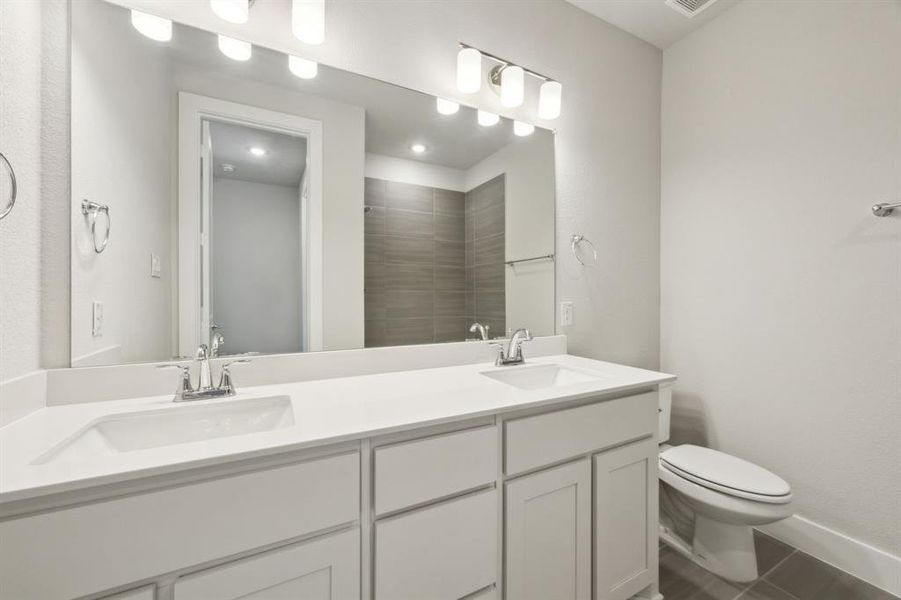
664,410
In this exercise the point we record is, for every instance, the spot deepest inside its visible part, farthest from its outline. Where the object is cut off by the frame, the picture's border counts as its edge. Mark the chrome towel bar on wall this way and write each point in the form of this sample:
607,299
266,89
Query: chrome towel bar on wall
885,209
9,202
91,210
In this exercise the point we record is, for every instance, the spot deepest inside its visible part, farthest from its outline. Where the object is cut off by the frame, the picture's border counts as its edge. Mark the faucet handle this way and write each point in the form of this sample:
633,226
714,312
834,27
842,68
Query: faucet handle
184,384
225,380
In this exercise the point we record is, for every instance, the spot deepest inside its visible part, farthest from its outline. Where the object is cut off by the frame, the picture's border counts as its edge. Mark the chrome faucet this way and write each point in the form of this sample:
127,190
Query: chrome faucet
481,329
205,390
513,354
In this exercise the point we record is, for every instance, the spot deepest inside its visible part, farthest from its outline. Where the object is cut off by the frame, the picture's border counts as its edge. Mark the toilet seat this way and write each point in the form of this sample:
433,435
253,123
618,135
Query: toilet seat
726,474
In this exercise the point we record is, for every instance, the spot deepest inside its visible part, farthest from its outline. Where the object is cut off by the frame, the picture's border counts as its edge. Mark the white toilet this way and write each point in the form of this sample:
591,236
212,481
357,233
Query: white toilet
710,500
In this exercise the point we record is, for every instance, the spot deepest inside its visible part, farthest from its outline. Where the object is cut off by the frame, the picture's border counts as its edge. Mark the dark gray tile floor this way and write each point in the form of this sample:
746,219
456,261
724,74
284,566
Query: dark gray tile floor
785,574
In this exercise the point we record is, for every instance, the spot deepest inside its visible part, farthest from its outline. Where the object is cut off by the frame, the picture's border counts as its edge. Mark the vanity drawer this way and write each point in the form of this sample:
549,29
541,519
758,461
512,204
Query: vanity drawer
532,442
410,473
98,546
444,552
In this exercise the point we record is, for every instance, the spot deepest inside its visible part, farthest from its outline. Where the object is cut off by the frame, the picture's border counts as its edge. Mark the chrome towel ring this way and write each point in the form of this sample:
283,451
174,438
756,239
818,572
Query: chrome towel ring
12,187
91,210
576,240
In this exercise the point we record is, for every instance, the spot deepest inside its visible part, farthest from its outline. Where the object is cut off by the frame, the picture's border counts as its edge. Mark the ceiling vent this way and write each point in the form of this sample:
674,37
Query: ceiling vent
689,8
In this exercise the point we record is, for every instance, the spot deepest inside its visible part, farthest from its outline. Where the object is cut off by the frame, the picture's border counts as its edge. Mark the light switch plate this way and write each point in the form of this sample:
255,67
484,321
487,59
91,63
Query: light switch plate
97,327
155,265
566,314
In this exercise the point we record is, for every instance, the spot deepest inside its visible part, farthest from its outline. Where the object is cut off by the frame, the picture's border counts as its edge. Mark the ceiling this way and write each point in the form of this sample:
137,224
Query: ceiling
652,20
283,163
396,117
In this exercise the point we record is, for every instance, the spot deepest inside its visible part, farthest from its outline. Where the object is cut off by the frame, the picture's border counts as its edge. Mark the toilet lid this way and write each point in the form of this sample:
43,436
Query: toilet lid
723,472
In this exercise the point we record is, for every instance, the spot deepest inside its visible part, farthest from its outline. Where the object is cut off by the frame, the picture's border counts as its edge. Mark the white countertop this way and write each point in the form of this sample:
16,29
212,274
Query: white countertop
325,411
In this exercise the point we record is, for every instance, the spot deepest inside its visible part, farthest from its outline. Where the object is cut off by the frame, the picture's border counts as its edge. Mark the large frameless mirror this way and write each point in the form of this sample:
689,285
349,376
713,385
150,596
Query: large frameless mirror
270,205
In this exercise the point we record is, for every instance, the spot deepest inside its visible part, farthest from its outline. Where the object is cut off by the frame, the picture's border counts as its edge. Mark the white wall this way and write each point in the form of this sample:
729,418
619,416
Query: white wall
402,170
256,266
528,166
122,136
20,232
781,293
608,135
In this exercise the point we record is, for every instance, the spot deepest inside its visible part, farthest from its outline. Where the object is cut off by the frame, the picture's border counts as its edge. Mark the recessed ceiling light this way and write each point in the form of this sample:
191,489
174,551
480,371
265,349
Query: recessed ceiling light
257,151
418,148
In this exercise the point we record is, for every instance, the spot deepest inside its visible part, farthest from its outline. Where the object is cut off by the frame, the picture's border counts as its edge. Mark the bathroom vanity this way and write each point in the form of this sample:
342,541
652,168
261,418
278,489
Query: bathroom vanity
472,481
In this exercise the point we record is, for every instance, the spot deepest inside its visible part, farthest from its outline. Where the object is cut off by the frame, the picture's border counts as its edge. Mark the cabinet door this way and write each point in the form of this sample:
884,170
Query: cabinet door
625,516
548,534
326,568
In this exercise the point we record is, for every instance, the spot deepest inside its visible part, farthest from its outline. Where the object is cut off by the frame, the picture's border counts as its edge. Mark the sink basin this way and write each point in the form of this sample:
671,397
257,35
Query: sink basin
541,376
174,425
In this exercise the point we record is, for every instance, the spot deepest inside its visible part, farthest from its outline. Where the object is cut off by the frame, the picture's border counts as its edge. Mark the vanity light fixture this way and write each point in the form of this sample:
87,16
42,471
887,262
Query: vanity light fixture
446,107
303,68
508,80
152,26
308,21
523,129
487,119
549,100
235,49
418,148
513,86
257,151
233,11
469,70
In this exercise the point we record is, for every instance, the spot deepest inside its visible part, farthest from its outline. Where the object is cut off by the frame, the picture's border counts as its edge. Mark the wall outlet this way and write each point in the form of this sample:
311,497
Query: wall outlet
97,327
566,314
155,268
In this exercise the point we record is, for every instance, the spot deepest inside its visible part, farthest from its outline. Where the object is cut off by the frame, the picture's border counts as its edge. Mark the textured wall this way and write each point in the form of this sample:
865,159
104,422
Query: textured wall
20,231
781,292
608,137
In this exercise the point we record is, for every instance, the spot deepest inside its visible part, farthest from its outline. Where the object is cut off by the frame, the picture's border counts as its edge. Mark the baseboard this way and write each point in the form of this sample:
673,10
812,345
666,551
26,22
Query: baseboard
865,562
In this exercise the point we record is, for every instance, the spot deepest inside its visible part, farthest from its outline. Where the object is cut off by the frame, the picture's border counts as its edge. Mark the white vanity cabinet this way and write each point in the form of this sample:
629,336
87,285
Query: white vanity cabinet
591,518
148,592
325,568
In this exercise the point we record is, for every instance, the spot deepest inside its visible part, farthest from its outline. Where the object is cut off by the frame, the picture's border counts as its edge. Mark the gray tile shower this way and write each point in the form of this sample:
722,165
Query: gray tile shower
434,262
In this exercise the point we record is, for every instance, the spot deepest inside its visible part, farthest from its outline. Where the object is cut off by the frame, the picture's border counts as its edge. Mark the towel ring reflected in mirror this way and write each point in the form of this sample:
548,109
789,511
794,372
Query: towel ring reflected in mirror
91,210
575,241
12,187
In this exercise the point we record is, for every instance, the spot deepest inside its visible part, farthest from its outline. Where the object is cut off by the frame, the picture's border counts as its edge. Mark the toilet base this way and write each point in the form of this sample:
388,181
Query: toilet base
724,549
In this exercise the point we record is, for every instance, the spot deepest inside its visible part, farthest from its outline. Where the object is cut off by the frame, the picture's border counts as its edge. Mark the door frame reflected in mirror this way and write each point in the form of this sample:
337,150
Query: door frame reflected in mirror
193,219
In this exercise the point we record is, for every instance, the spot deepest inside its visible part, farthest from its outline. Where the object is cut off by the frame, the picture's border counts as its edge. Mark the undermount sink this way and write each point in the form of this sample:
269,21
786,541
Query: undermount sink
174,425
541,376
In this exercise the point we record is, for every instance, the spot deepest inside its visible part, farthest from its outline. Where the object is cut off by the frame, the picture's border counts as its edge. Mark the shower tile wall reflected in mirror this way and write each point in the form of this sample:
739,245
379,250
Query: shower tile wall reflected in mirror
256,211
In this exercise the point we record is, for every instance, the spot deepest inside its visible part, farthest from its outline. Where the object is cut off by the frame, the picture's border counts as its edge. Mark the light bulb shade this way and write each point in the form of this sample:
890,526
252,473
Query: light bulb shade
523,129
513,83
233,11
446,107
235,49
156,28
549,100
469,70
303,68
308,21
487,119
